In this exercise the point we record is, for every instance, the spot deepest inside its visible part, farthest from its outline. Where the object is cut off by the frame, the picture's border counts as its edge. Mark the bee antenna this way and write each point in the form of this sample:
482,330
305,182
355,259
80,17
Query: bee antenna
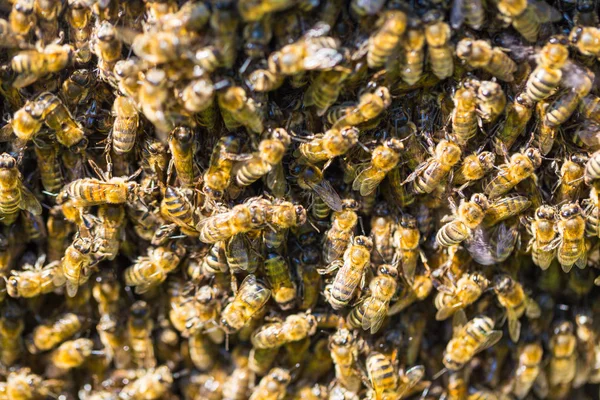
49,193
362,227
179,374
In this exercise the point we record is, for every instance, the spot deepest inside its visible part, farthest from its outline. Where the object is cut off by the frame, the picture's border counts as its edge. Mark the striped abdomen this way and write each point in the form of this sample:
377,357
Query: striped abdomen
382,374
561,109
452,233
9,205
413,66
442,61
542,83
527,25
429,179
252,171
124,133
501,66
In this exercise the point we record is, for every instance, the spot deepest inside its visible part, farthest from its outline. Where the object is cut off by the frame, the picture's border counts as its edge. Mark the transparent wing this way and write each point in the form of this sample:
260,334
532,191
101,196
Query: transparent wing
457,14
410,379
144,287
72,287
491,339
367,181
374,323
29,202
328,194
459,320
499,184
514,325
543,12
276,180
445,312
325,58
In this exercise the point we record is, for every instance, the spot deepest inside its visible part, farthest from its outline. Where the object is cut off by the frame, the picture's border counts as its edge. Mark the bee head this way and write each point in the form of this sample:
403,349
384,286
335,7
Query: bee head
569,211
480,200
535,156
364,241
408,222
545,212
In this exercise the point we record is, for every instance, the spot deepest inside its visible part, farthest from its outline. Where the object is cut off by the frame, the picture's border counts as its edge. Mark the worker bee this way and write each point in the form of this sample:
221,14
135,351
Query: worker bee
33,281
390,28
22,17
263,80
323,197
240,381
31,65
325,88
543,232
139,331
125,126
153,96
49,164
585,39
468,339
370,313
72,353
76,264
331,144
434,170
240,219
345,347
76,88
47,336
579,83
384,158
464,115
272,386
181,144
384,379
295,327
453,297
406,242
468,216
437,35
518,114
527,17
383,229
217,176
520,166
201,351
15,196
474,167
529,370
480,54
351,272
251,297
570,244
153,383
371,105
545,78
412,49
571,177
278,274
11,331
58,118
339,235
512,297
21,383
505,208
79,16
563,354
151,270
242,108
491,101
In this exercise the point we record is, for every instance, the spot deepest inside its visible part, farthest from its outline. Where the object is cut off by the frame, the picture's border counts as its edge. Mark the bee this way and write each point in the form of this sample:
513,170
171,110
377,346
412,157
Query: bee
250,299
59,230
201,351
264,162
563,354
546,77
152,96
390,28
21,383
32,65
154,383
33,281
181,143
263,80
480,54
126,124
464,115
468,339
384,379
474,167
49,165
585,39
217,177
412,49
48,335
512,297
468,216
257,36
151,270
437,35
110,221
72,354
240,219
76,89
272,386
85,192
454,297
14,195
570,244
371,105
384,158
11,331
325,88
278,274
518,114
331,144
224,23
79,16
22,17
338,237
590,108
58,118
198,95
520,167
295,327
383,228
323,197
529,370
505,208
240,381
345,347
406,242
242,108
527,17
578,84
139,333
491,101
434,170
571,177
351,272
543,233
592,169
76,264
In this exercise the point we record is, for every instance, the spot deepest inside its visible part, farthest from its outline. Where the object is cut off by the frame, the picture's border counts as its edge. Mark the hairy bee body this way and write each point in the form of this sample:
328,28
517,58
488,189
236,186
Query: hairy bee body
35,281
217,177
528,369
437,35
563,355
11,331
480,54
272,386
344,347
126,123
152,270
250,299
325,89
76,263
432,172
72,354
333,143
382,43
48,336
521,166
278,274
464,116
181,143
49,165
139,330
545,78
476,335
295,327
413,49
518,114
543,233
339,235
571,233
384,158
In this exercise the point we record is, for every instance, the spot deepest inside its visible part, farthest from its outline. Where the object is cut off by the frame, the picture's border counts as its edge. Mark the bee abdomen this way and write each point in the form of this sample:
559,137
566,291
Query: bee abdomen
561,110
451,234
320,210
442,62
250,173
413,68
542,83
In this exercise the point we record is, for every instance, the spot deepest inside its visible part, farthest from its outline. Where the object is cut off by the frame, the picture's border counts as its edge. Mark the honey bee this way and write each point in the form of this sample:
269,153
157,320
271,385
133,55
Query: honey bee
464,115
338,237
76,264
592,169
345,347
527,17
454,297
468,339
139,331
491,101
151,270
58,118
325,88
49,165
382,234
437,35
578,84
412,49
263,80
15,196
72,353
33,281
154,384
240,219
543,232
181,144
31,65
571,177
520,167
546,77
480,54
201,351
242,108
152,96
570,244
384,379
434,170
585,39
390,28
529,370
351,272
217,177
240,381
272,386
224,22
563,354
76,89
295,327
331,144
474,167
505,208
47,336
110,221
22,17
406,242
323,197
518,114
21,383
512,297
11,331
468,216
79,16
126,124
384,158
371,105
250,299
278,274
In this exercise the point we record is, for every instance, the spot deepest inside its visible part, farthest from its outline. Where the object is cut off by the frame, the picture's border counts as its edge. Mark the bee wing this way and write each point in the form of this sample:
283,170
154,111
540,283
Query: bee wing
377,319
541,386
445,312
423,166
325,58
367,181
457,14
495,188
491,339
514,325
505,208
58,279
72,287
328,194
574,76
532,309
459,320
29,202
276,180
144,287
24,80
410,379
543,12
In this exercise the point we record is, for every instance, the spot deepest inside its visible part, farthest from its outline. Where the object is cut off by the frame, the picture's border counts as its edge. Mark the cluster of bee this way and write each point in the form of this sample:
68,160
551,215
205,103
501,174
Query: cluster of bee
299,199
